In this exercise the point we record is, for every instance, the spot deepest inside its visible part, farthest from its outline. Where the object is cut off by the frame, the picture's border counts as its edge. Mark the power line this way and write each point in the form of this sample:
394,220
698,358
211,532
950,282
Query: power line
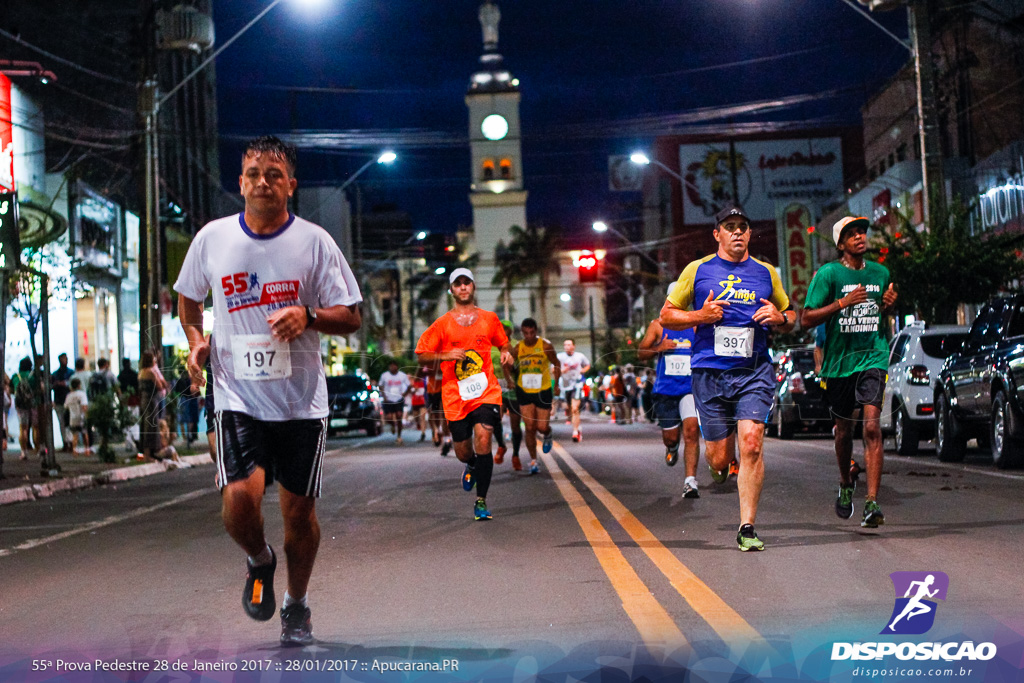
66,62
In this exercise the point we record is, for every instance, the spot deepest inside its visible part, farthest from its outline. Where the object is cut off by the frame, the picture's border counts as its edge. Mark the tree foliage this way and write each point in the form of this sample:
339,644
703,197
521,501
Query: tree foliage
947,263
531,252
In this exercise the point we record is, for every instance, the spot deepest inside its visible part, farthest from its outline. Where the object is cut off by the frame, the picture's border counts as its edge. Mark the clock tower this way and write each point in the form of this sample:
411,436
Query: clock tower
496,185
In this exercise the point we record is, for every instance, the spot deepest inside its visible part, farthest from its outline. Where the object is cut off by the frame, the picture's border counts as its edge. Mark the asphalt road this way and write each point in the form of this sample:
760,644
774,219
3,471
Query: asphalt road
596,563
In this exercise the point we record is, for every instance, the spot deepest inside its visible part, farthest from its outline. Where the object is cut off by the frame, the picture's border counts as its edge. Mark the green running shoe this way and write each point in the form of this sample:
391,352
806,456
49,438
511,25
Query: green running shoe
480,511
747,538
873,517
844,502
718,477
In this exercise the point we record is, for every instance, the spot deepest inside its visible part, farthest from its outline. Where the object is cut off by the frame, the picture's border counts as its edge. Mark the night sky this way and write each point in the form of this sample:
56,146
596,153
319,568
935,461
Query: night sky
597,77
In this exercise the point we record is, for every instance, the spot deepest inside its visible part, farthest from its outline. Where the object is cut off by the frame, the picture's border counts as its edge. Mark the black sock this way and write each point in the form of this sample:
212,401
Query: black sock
517,438
483,469
471,463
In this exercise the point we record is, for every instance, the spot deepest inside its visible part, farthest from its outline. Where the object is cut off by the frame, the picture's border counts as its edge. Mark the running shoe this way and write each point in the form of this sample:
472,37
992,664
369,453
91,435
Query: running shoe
747,538
437,443
844,502
690,488
258,595
577,436
549,440
446,448
873,517
672,456
480,511
855,470
423,437
718,477
534,468
734,469
296,625
517,464
468,479
499,455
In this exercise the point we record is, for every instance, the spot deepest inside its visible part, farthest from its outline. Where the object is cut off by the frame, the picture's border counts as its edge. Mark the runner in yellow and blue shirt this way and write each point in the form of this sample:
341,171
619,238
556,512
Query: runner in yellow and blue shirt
732,300
535,356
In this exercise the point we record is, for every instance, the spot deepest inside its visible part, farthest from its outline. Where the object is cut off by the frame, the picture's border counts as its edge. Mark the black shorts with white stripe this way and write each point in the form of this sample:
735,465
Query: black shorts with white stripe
291,452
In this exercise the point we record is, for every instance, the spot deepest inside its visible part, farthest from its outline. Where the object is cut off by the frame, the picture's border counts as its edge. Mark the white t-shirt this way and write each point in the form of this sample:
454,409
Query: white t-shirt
572,369
76,403
251,277
394,386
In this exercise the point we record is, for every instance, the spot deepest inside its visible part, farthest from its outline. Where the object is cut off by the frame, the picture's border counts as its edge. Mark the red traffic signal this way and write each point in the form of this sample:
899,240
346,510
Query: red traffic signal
587,266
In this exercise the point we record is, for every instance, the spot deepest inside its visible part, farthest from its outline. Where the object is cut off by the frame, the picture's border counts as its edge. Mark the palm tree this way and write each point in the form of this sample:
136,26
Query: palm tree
509,272
533,252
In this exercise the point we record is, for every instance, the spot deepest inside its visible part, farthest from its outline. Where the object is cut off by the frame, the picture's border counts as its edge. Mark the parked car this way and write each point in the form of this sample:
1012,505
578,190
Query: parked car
915,358
799,399
354,404
980,391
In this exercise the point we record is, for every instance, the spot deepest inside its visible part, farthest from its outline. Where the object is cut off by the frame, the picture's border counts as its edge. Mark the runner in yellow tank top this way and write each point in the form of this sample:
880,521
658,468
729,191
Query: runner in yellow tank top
535,358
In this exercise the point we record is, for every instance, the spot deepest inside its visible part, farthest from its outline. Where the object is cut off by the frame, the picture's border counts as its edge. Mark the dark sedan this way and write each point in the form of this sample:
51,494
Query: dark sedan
799,399
354,404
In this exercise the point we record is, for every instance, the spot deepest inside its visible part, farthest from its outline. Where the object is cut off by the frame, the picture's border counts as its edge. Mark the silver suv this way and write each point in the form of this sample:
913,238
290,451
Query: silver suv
915,358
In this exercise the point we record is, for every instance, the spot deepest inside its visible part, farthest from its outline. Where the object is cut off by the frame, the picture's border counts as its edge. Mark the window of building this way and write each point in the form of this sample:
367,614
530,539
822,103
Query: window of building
488,169
506,169
901,152
892,159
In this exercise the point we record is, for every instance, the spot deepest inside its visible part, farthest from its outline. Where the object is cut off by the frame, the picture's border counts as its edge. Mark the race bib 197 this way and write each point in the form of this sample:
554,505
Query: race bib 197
677,365
532,381
735,342
473,386
260,357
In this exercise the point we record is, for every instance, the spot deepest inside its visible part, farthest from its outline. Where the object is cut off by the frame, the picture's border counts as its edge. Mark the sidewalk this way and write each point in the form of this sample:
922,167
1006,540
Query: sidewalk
25,482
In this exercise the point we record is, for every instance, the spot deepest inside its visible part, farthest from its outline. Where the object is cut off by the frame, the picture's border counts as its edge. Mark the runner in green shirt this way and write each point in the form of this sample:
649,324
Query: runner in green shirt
852,296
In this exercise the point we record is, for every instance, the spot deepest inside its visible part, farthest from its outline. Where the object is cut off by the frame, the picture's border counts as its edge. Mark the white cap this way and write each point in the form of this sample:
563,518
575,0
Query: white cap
843,223
459,272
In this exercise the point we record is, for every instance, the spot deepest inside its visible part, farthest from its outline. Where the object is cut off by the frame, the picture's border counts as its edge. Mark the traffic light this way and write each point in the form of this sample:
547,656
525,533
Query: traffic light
587,266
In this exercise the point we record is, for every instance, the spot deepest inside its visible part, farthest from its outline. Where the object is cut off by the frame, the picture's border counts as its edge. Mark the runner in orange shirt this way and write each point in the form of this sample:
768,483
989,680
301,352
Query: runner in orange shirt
461,342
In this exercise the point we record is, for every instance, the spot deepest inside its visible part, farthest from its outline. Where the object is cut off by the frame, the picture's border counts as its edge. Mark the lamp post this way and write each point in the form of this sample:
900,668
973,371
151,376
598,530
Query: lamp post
920,48
150,102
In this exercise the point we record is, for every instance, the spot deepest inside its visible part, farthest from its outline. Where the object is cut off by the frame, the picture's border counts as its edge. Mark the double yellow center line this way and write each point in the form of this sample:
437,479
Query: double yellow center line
657,628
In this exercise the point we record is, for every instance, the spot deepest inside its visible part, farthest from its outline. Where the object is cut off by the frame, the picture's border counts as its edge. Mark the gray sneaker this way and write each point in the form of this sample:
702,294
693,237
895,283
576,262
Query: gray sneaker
690,488
296,625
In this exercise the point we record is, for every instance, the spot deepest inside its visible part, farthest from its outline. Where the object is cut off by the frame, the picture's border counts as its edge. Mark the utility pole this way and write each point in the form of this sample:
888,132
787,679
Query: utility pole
933,179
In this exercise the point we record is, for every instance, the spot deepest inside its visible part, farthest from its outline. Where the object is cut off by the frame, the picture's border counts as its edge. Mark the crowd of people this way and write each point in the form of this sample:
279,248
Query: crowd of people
157,406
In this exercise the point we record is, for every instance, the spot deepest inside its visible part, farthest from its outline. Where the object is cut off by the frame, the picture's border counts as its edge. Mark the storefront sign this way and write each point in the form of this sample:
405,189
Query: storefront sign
767,172
794,220
10,245
1002,205
6,137
95,231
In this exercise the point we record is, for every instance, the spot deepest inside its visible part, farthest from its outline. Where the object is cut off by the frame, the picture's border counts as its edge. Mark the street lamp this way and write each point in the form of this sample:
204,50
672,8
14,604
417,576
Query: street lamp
387,157
150,102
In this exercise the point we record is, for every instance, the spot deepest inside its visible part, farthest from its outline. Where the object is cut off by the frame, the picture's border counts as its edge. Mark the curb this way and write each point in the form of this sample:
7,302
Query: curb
85,481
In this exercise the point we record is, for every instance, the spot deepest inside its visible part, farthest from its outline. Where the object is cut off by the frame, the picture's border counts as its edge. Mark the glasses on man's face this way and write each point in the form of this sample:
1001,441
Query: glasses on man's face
736,227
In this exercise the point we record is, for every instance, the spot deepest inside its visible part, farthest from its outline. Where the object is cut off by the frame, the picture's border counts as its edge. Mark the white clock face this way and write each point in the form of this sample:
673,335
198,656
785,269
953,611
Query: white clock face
494,127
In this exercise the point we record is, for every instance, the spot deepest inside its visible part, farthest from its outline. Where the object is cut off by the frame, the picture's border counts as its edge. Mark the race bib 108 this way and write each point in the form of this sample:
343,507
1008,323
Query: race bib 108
473,386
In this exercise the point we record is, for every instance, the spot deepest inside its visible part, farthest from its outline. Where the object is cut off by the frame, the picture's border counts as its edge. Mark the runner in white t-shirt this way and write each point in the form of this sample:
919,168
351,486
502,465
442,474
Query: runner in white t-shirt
277,280
574,366
394,387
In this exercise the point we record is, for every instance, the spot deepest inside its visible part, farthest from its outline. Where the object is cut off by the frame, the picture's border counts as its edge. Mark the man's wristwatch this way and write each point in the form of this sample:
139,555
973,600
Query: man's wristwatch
310,317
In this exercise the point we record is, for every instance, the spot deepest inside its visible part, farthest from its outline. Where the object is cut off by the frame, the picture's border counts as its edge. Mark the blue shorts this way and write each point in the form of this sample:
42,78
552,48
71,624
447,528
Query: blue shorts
670,411
725,396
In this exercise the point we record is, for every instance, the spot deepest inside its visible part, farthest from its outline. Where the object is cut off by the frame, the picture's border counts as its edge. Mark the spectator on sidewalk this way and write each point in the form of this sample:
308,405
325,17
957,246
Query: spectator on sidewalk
188,406
7,408
27,400
167,450
103,380
151,384
77,404
59,380
128,380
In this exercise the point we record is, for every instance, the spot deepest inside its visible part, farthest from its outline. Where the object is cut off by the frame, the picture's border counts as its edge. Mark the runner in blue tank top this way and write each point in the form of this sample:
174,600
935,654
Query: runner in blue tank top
733,382
673,400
